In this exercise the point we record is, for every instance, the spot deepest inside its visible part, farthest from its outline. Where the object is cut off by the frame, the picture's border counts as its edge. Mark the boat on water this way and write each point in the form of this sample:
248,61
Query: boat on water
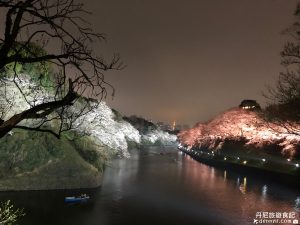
81,198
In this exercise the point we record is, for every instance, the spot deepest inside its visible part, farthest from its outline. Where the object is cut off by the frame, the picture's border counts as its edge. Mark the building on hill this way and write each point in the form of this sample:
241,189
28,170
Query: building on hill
250,105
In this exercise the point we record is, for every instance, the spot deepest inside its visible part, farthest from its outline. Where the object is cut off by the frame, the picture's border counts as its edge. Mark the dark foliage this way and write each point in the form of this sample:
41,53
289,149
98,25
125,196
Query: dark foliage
141,124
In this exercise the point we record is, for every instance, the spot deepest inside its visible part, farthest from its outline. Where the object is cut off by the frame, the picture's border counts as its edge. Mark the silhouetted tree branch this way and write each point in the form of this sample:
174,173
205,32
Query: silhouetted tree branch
58,28
284,97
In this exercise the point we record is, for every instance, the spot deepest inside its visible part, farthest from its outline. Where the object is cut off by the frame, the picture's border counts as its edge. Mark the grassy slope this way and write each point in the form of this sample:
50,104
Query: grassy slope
32,160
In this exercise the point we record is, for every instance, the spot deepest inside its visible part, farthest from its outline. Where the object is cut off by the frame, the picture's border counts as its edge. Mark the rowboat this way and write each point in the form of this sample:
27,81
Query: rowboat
81,198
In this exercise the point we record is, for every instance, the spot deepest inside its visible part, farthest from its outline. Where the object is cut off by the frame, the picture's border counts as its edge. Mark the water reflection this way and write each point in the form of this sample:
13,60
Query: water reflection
237,196
243,186
297,204
170,188
264,191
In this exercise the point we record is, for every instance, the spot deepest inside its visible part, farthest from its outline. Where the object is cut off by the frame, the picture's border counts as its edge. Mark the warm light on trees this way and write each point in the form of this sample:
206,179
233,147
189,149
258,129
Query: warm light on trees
242,125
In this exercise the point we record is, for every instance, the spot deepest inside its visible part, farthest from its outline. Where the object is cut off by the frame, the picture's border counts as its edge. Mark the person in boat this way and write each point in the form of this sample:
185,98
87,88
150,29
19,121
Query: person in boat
83,196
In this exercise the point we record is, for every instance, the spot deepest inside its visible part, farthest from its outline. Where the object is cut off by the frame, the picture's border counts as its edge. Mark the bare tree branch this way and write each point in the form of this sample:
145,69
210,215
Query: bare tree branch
31,27
284,97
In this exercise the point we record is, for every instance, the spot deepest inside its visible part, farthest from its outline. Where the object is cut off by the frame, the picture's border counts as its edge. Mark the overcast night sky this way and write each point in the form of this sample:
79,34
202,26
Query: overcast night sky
190,60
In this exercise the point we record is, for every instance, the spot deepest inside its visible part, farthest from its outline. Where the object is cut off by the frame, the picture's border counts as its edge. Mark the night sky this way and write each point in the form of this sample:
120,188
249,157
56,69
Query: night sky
190,60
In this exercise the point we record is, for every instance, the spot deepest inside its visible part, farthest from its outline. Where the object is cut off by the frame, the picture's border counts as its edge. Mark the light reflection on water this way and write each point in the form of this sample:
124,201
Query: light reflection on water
239,195
297,204
264,191
163,187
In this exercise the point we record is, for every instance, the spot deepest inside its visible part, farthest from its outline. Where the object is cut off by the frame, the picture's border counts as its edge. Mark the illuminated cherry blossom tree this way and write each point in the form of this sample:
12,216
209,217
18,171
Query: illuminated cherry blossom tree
241,125
59,27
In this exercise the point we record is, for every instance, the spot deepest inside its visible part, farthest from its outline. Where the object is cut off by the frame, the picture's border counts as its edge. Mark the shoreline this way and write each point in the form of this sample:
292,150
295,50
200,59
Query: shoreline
49,183
289,179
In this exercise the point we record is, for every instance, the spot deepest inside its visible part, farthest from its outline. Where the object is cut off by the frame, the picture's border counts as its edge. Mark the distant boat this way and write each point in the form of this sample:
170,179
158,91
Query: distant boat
81,198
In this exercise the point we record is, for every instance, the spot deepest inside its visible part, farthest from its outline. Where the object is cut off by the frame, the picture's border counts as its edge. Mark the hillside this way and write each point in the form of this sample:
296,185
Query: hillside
32,160
246,129
150,133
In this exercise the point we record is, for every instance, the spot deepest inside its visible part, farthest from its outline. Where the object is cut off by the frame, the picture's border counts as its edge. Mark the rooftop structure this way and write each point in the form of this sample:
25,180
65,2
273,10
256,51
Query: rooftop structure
250,104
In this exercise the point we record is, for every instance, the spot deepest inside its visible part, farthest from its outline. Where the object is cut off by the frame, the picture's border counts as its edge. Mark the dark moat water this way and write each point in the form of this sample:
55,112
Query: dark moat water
160,186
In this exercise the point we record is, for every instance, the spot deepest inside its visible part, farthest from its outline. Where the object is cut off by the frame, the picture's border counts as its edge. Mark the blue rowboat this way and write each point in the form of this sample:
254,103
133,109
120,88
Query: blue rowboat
81,198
